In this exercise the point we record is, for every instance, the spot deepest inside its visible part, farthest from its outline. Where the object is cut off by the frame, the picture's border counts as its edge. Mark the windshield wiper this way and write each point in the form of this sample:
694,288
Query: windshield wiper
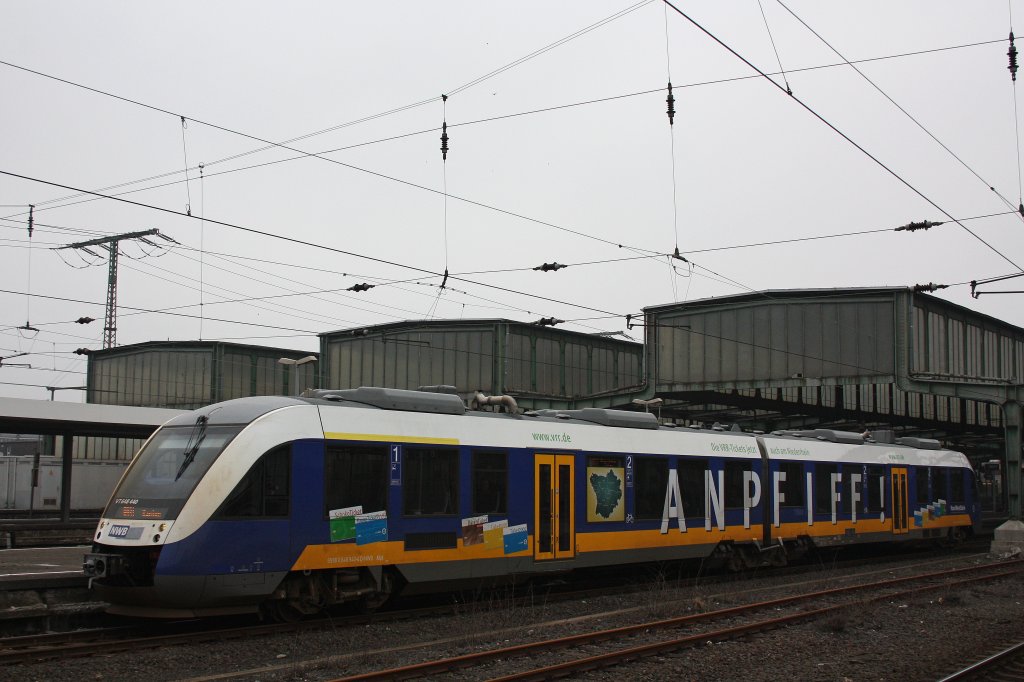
195,439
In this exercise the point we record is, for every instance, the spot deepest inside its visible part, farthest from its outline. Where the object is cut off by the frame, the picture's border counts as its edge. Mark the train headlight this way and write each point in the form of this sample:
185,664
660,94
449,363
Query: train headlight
163,527
156,538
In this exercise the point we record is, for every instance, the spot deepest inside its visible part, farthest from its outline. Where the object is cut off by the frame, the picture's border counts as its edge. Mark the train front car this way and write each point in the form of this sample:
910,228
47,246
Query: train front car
198,524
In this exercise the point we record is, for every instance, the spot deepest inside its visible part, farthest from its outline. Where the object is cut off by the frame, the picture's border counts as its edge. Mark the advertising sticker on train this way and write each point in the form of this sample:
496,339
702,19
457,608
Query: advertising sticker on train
473,530
493,534
605,494
371,527
343,523
515,539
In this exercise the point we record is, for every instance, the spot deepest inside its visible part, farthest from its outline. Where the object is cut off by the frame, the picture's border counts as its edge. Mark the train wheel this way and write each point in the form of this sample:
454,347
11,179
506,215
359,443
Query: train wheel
282,611
303,595
956,537
371,602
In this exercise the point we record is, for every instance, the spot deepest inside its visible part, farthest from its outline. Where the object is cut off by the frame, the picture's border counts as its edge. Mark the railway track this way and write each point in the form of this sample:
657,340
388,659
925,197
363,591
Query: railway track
108,641
727,623
1006,665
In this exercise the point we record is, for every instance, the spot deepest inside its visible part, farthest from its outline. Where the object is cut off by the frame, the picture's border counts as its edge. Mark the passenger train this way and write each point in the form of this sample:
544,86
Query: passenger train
294,504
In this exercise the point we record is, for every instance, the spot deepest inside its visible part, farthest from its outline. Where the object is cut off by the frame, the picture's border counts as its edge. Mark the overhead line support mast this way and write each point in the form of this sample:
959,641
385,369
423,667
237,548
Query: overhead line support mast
112,244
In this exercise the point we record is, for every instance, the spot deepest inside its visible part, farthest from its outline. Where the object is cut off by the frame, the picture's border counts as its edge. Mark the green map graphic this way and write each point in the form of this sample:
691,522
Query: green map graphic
608,491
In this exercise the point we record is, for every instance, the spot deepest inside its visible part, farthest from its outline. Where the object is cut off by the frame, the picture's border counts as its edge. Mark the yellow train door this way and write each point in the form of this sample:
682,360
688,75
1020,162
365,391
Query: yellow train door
553,507
900,504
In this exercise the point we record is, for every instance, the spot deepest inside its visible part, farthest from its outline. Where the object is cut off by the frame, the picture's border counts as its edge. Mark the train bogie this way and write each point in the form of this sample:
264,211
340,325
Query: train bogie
354,496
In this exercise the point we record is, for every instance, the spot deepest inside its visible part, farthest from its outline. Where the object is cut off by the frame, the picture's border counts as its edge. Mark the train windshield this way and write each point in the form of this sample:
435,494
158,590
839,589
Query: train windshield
167,470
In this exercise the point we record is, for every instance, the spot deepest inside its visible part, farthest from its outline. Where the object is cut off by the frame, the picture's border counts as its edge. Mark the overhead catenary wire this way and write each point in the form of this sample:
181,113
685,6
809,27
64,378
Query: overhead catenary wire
577,231
670,110
913,119
270,145
843,135
301,242
232,258
737,246
92,196
28,287
202,240
716,277
774,47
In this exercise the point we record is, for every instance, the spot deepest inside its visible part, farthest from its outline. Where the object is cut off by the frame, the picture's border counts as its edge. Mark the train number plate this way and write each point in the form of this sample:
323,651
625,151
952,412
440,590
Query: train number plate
118,531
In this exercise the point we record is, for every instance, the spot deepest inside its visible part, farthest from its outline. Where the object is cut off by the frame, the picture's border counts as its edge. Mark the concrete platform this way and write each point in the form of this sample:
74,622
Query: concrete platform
42,566
43,589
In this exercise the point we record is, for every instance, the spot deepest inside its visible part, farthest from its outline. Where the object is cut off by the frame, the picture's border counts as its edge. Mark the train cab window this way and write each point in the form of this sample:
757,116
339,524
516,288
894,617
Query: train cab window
734,470
956,486
923,475
356,476
490,482
430,481
823,487
650,483
264,491
874,489
691,486
793,487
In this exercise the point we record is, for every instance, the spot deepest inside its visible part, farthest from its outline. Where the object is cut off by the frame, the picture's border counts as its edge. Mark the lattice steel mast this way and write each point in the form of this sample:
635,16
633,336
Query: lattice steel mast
112,245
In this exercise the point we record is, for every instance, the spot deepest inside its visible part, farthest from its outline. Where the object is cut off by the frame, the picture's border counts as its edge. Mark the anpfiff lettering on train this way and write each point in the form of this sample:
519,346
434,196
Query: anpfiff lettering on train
714,498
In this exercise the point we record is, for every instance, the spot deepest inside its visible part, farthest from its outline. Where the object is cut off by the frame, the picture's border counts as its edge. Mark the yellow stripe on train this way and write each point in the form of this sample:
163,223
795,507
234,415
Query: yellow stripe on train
390,438
338,555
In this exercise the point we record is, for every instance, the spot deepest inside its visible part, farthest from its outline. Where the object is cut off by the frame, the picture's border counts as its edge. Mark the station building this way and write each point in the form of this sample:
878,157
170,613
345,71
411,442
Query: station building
185,375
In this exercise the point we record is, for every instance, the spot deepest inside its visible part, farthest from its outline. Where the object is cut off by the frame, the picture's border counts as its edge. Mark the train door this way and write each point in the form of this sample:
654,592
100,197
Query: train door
553,507
900,504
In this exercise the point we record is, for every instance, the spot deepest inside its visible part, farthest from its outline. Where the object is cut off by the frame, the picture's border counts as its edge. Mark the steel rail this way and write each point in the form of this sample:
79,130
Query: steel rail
633,653
441,665
982,668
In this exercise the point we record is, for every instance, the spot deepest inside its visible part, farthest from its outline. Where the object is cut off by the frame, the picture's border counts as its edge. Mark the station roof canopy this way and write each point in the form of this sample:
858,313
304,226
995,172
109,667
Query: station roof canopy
44,417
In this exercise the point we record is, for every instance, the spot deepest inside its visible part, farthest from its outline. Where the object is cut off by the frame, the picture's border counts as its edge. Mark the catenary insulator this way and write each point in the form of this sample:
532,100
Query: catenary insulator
548,322
671,105
912,227
931,286
444,141
1012,54
361,287
546,267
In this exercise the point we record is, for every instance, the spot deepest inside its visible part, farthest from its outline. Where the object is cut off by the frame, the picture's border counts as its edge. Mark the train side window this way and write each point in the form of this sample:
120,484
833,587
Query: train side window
356,476
651,482
923,474
691,486
793,487
264,491
734,482
490,482
823,487
956,488
430,481
874,490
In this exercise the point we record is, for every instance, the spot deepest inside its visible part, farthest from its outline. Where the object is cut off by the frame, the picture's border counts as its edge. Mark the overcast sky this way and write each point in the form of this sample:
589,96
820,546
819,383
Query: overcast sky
565,157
